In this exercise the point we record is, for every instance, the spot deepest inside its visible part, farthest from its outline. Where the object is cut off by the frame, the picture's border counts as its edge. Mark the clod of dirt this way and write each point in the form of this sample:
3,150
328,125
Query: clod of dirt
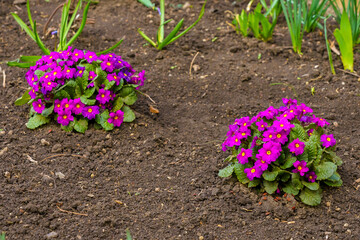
51,235
4,150
196,68
44,142
56,148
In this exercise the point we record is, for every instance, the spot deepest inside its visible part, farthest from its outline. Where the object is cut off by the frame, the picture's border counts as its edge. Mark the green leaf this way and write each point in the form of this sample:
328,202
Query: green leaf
101,76
129,115
130,99
311,149
36,121
25,98
270,176
254,183
239,171
62,94
29,59
285,176
118,87
290,188
289,162
111,48
311,186
83,81
87,101
270,187
147,3
335,158
69,127
102,119
89,92
108,84
335,177
118,104
48,111
298,132
325,170
334,184
227,171
81,125
295,180
311,197
78,91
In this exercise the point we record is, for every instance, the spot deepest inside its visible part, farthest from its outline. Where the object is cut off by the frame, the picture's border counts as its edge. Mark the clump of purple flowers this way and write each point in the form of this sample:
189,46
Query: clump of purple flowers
77,86
283,149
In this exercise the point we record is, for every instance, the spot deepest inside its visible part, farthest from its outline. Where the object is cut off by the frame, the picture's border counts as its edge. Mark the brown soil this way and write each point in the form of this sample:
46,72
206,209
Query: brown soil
158,175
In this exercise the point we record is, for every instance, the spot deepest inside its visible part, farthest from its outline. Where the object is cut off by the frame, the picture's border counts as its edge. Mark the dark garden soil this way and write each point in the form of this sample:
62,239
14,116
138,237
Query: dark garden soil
158,175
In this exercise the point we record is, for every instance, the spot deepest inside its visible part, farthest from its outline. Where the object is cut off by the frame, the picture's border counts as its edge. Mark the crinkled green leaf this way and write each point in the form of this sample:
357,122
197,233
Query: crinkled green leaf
102,119
108,84
335,177
311,149
89,92
254,183
48,111
81,125
87,101
227,171
334,184
117,105
270,187
290,188
298,132
311,186
118,87
129,115
325,170
25,98
83,81
39,73
311,197
295,180
289,162
337,160
69,127
36,121
62,94
270,176
239,171
130,99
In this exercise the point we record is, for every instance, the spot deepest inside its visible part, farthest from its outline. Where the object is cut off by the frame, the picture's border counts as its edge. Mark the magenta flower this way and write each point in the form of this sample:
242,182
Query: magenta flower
243,133
57,106
32,80
69,72
281,137
67,105
304,109
64,118
320,121
311,176
253,172
232,130
270,113
79,73
269,135
33,91
244,155
243,122
77,106
269,152
90,112
116,118
300,167
77,54
107,66
38,106
139,79
90,57
49,85
261,125
283,124
261,164
103,96
297,147
92,75
289,101
328,140
310,132
57,72
113,77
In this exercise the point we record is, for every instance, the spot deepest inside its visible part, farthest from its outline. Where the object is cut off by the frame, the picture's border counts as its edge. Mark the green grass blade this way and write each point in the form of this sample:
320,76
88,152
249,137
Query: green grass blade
344,39
243,23
72,19
147,38
29,58
328,48
83,22
171,35
161,33
111,48
29,14
24,26
192,25
64,14
147,3
16,63
39,42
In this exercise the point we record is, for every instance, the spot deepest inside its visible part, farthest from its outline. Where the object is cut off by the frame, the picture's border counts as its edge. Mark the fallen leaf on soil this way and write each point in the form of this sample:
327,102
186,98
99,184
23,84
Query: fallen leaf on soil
154,110
333,48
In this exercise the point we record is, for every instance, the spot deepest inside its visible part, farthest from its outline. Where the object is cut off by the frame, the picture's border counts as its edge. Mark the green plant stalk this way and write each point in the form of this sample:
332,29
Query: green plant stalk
293,18
313,14
111,48
243,23
162,20
328,48
344,38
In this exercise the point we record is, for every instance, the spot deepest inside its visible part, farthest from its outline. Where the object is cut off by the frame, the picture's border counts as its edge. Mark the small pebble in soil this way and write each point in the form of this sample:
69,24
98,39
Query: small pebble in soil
60,175
10,132
157,189
56,148
44,142
7,174
51,235
4,150
346,225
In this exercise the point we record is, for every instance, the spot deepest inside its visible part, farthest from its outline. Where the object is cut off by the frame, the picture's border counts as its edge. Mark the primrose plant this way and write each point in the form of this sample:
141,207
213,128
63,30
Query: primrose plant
75,87
65,26
283,149
161,40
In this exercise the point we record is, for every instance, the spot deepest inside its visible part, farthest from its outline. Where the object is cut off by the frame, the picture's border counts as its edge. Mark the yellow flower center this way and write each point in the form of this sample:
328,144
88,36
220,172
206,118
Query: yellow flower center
116,117
243,154
66,105
278,136
125,74
270,136
68,70
115,77
310,133
78,105
236,140
32,79
253,170
102,95
58,105
262,125
244,124
110,55
39,105
281,125
297,145
90,110
310,177
76,54
321,119
299,168
285,115
49,83
90,56
46,76
268,152
108,63
91,77
291,111
262,161
80,71
64,117
328,139
243,134
119,61
55,73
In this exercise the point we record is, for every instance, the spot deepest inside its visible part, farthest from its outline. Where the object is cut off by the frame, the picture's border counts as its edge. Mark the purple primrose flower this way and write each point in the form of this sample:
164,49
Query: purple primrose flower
103,96
116,118
328,140
253,172
90,112
300,167
297,147
244,155
38,106
64,118
311,176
